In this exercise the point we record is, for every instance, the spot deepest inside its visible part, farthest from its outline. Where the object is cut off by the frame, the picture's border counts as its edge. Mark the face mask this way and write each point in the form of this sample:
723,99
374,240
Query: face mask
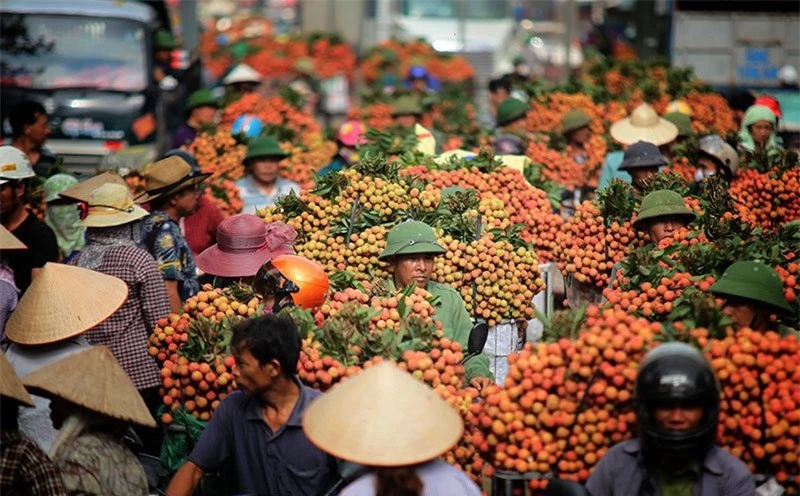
701,174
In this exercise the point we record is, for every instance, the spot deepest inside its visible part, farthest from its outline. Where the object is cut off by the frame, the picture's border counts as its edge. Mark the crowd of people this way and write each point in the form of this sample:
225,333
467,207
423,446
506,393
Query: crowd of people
81,290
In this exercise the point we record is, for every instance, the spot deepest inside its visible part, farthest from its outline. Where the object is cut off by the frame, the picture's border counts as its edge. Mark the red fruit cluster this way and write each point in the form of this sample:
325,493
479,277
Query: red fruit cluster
587,249
526,205
768,199
760,410
196,386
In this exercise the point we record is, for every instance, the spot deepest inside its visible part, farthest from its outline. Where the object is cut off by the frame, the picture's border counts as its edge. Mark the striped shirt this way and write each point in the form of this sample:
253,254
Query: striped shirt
255,200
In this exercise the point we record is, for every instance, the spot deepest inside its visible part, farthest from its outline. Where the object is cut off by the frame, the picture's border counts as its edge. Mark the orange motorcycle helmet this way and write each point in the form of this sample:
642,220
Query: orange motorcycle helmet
293,280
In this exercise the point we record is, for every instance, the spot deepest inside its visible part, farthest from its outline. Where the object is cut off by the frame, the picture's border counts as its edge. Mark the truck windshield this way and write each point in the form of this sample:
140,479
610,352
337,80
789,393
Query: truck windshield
58,52
473,9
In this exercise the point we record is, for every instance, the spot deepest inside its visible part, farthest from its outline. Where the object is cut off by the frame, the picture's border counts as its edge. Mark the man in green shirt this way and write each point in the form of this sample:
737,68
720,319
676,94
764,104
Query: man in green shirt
411,250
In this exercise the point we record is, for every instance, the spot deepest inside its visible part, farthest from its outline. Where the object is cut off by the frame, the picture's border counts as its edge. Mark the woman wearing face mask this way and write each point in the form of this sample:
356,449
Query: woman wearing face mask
63,216
758,129
715,157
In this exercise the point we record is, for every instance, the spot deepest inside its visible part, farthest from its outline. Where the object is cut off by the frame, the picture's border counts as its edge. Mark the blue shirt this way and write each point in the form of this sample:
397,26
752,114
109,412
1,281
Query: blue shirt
255,200
611,169
162,237
334,166
267,463
439,478
621,472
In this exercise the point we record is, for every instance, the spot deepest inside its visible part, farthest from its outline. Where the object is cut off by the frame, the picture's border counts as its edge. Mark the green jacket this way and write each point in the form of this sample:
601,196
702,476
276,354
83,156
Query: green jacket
451,312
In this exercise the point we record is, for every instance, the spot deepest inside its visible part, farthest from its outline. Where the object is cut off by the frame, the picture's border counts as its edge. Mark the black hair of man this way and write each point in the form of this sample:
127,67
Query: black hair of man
501,83
24,114
268,338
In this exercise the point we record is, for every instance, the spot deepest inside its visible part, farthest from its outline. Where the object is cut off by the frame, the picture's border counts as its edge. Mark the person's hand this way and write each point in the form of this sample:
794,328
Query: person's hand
480,382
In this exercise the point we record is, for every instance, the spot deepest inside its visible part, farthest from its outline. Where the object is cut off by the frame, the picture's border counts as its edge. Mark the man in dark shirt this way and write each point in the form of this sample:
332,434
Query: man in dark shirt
259,428
30,128
15,171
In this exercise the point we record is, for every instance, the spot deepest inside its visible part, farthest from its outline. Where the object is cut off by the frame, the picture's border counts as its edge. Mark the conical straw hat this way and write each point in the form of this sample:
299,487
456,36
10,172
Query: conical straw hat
8,241
644,124
83,190
64,301
383,417
94,380
10,385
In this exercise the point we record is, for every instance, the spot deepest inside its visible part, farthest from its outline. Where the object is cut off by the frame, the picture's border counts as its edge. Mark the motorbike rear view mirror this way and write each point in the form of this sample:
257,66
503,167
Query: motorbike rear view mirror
477,338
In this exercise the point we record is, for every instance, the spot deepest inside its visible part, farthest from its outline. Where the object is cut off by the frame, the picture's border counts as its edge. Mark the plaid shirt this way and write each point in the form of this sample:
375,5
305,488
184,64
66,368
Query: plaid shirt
126,332
25,468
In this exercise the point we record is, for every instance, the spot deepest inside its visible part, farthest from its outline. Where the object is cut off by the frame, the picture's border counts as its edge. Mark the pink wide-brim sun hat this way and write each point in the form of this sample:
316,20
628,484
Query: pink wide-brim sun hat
244,244
352,133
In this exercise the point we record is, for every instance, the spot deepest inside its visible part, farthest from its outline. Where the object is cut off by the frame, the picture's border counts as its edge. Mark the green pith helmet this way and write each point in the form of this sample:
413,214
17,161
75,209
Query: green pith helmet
661,203
164,40
406,105
264,146
410,238
510,110
574,120
201,98
753,281
682,121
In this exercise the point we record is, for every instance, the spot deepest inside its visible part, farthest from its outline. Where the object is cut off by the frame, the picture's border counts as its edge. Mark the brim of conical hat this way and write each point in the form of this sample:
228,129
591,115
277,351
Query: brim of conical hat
83,190
187,182
10,385
8,241
661,134
94,380
64,301
383,417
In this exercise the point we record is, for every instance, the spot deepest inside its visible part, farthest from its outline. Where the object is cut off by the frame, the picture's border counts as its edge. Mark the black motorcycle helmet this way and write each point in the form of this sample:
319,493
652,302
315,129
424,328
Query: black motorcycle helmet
676,373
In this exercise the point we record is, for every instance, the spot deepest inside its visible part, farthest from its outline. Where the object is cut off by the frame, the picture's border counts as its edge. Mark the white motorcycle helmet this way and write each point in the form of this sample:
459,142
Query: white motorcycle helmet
723,153
14,165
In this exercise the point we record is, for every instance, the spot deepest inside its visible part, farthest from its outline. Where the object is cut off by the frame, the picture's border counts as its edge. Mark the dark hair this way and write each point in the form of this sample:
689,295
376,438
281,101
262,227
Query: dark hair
501,83
267,338
397,481
24,114
9,413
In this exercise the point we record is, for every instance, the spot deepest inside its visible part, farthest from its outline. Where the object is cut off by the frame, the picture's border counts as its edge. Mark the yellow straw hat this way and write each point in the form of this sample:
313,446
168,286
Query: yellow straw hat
112,205
83,190
644,124
383,417
168,176
64,301
8,241
10,385
94,380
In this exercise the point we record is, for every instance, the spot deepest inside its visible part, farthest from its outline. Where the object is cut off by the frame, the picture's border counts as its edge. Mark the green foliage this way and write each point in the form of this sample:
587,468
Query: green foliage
563,324
616,202
665,180
208,340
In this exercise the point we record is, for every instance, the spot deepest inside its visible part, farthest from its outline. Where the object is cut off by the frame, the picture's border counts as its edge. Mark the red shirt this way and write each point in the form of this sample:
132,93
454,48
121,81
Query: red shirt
200,228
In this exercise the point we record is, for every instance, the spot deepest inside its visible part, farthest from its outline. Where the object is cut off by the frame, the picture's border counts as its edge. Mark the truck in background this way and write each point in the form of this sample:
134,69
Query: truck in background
90,64
740,46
